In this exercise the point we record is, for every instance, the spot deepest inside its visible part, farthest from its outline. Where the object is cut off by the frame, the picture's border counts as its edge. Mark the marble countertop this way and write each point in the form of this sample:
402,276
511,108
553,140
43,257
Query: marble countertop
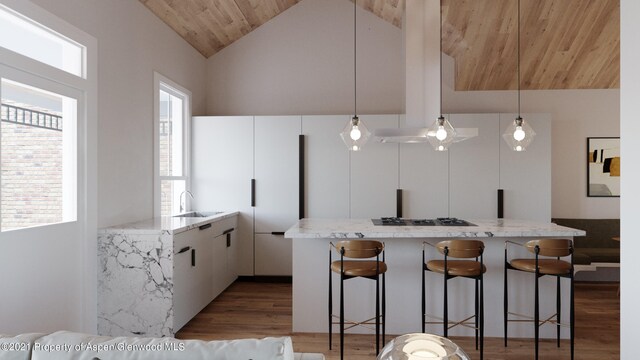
364,228
167,224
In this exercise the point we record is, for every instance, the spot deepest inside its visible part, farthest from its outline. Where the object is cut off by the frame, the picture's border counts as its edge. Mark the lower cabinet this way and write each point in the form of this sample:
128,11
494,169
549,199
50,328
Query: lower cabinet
204,265
273,255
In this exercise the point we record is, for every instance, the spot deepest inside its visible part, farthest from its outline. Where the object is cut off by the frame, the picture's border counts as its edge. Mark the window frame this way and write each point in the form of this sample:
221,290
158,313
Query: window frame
161,82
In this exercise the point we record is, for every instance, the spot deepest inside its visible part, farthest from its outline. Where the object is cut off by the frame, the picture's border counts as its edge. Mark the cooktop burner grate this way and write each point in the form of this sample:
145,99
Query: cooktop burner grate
394,221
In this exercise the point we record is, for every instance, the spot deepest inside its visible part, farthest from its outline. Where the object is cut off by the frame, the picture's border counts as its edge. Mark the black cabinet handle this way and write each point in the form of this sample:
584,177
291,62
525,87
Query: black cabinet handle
279,233
500,203
228,239
301,179
227,231
184,249
205,226
193,257
253,192
399,203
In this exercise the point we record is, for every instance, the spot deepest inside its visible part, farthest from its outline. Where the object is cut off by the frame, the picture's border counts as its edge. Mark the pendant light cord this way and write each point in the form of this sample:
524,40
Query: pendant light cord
518,56
355,73
441,101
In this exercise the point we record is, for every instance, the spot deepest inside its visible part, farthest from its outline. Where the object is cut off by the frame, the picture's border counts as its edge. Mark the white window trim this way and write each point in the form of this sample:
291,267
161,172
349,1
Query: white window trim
87,212
179,91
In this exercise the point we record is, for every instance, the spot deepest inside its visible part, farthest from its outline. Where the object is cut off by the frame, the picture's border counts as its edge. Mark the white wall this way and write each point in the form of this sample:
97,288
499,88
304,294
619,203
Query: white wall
630,126
132,43
301,62
576,115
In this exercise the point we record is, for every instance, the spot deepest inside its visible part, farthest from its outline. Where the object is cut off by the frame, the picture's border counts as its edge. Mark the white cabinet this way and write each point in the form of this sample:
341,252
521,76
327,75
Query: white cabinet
276,172
526,176
424,180
222,169
276,191
273,255
374,173
190,274
474,171
327,167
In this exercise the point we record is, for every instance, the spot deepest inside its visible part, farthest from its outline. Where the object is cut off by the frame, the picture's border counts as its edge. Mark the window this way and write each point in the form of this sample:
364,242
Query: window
40,43
172,149
42,114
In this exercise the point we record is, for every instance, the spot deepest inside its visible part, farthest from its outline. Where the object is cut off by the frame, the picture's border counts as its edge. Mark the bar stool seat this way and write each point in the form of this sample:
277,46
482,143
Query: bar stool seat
360,268
457,267
545,266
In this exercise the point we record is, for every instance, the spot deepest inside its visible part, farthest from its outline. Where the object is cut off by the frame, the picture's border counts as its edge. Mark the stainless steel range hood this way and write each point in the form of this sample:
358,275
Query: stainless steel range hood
416,135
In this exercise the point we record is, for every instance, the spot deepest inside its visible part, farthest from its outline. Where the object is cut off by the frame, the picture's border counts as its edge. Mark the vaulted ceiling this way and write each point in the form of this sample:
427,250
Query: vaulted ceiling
565,44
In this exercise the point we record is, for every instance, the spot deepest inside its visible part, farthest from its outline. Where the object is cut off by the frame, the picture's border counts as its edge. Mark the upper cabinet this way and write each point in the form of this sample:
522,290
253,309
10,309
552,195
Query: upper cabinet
374,173
277,156
474,168
526,176
326,167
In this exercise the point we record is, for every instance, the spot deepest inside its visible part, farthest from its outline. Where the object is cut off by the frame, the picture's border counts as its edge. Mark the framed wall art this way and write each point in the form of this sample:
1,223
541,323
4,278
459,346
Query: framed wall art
603,166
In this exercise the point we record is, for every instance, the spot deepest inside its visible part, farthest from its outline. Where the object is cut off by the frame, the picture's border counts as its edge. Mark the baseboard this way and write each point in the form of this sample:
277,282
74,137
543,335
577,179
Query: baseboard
266,279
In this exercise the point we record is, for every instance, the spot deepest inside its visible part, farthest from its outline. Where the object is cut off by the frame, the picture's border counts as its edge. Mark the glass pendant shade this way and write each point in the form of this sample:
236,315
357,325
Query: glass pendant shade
519,135
441,134
422,347
355,134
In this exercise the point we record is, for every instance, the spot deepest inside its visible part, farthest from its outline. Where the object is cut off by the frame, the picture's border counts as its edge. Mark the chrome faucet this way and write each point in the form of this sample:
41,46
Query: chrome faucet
185,204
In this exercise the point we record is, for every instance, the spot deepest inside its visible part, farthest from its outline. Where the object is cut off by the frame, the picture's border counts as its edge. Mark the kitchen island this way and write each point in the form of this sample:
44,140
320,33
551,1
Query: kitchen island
403,251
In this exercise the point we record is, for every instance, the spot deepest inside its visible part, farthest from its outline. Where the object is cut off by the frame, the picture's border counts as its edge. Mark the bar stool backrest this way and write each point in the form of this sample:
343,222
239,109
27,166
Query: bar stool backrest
551,247
360,249
461,248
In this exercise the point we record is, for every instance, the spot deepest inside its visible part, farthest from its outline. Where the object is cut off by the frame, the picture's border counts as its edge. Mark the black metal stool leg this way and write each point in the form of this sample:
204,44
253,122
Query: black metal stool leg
341,316
572,324
481,317
445,322
423,295
476,312
536,314
377,314
558,311
384,309
330,306
506,299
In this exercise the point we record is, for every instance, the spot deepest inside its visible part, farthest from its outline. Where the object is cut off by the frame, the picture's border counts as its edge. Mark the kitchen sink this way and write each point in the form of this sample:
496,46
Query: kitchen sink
198,214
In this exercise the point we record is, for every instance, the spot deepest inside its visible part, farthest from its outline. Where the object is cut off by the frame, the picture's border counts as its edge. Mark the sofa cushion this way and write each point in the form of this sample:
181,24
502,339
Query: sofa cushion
17,347
68,345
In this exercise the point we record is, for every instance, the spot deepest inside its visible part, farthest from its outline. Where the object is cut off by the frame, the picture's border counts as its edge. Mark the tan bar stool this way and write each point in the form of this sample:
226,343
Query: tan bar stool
471,269
555,248
349,269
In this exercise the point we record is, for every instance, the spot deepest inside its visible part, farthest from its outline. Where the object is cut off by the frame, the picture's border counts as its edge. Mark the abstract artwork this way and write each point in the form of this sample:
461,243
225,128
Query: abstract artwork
603,166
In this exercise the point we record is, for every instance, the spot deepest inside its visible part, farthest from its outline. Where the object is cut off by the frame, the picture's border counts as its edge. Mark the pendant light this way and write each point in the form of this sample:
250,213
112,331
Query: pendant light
519,134
441,134
355,134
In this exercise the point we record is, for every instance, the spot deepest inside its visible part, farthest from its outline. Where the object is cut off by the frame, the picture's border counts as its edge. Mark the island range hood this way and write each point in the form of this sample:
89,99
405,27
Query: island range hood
421,36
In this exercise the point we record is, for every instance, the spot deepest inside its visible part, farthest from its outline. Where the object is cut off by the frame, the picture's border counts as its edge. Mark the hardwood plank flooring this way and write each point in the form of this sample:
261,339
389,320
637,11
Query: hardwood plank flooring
255,310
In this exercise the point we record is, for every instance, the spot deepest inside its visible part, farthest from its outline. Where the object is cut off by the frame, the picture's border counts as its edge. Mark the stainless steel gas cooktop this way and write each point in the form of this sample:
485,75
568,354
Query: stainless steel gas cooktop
394,221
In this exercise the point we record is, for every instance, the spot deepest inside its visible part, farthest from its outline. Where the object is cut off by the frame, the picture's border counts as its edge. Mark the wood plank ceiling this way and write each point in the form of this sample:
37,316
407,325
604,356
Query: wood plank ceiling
565,44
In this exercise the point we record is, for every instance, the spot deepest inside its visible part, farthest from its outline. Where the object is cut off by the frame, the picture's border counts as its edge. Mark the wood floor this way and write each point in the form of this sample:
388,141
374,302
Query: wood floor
250,309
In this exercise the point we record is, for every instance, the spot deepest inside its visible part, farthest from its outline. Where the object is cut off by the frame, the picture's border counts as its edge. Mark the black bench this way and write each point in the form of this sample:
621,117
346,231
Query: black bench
597,247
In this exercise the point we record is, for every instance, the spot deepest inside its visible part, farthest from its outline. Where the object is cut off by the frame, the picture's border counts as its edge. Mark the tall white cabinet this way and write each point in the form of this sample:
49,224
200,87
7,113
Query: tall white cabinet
474,168
276,191
374,173
526,176
222,169
327,167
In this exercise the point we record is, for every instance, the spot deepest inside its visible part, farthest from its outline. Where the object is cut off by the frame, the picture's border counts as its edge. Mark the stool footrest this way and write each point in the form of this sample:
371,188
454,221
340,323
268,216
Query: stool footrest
528,318
452,324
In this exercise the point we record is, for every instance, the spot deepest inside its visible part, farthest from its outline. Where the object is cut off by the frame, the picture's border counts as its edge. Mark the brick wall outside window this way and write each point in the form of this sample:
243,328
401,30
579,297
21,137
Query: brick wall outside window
31,176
